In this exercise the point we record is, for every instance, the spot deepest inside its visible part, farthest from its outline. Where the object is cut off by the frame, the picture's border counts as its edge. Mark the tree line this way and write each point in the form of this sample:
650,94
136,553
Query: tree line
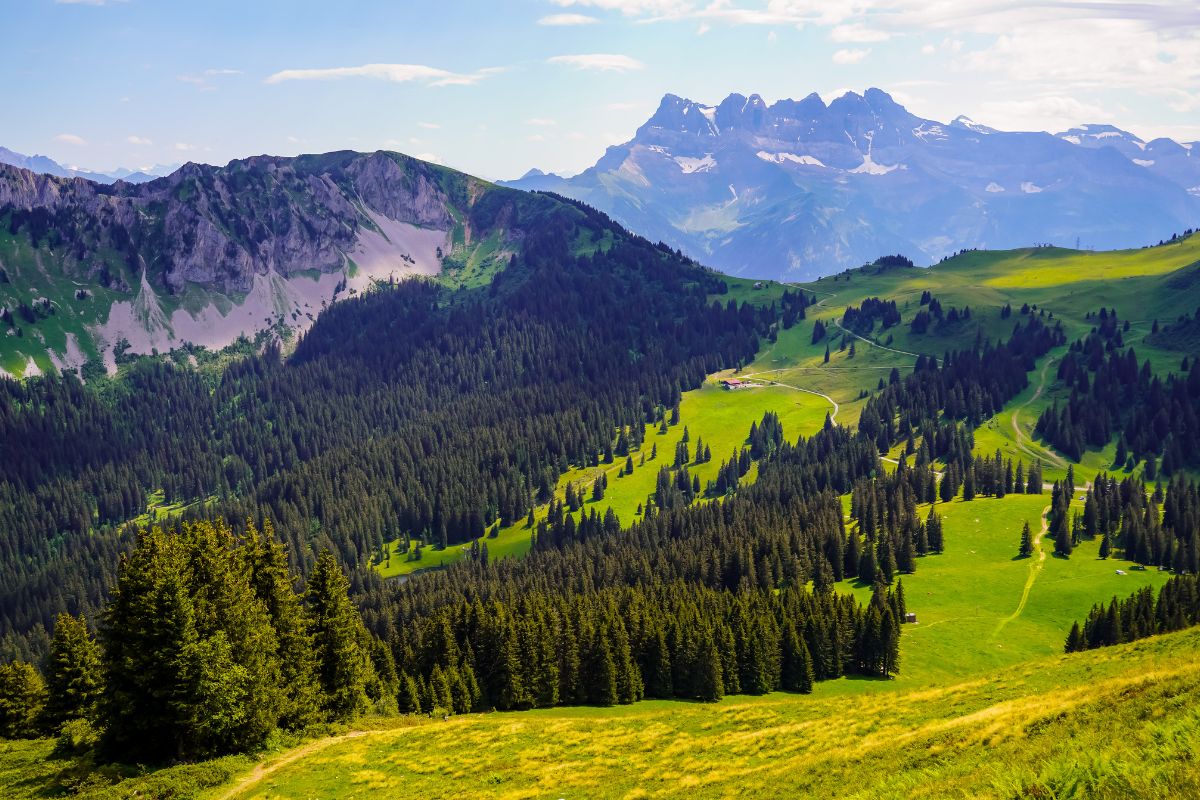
1112,394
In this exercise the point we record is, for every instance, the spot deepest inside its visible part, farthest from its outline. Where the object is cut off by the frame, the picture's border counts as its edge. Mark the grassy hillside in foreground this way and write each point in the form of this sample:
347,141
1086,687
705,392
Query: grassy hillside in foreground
1114,723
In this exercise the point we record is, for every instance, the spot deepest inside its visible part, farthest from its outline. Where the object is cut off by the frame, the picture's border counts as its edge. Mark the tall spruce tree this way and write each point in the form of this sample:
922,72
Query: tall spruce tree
73,674
273,586
343,669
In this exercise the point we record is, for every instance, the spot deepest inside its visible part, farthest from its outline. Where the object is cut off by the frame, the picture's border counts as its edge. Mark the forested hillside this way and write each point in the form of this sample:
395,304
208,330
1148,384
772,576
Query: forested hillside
416,408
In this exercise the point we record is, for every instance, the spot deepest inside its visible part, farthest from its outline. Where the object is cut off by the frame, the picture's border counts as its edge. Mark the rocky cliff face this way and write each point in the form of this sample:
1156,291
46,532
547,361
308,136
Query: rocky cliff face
208,253
220,226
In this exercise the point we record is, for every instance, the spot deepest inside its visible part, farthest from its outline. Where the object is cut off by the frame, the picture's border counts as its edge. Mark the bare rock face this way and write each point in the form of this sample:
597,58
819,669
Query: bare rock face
220,226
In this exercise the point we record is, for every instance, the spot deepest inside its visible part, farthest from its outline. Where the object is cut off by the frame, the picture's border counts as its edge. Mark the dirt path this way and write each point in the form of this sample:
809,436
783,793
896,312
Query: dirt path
1034,569
770,382
1024,444
821,304
261,771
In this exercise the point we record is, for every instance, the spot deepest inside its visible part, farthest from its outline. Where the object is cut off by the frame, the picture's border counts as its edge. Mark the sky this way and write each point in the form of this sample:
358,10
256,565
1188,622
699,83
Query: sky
495,88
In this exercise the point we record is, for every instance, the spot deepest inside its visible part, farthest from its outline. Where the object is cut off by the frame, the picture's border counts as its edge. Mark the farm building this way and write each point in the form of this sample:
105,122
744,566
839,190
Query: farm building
732,383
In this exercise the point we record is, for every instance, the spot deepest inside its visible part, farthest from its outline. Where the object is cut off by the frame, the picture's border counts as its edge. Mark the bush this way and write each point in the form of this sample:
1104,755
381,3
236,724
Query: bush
76,736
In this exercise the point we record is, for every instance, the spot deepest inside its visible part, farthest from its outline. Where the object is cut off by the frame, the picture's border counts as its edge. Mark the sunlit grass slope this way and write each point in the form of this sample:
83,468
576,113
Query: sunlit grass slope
1115,723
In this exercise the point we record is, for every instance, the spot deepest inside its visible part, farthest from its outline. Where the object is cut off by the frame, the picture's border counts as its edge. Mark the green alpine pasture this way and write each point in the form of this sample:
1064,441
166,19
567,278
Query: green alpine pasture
1114,723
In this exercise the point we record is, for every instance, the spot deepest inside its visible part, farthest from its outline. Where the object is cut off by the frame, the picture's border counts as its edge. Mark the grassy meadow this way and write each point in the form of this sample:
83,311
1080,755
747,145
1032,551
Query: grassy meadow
1113,723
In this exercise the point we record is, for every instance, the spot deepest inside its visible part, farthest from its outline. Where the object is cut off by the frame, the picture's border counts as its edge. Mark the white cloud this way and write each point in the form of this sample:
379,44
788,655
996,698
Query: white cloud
858,33
1046,112
184,147
850,56
561,20
703,28
429,126
537,137
599,62
70,138
928,50
138,140
433,157
540,121
396,73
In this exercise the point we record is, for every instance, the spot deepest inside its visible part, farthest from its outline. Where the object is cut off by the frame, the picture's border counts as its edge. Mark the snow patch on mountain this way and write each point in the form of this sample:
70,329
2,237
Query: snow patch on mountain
690,165
780,158
870,167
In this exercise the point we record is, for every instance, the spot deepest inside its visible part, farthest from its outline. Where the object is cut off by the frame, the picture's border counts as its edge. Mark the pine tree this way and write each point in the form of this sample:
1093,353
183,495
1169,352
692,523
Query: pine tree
150,655
1075,642
74,678
1062,541
342,668
272,583
410,696
22,697
709,682
1026,549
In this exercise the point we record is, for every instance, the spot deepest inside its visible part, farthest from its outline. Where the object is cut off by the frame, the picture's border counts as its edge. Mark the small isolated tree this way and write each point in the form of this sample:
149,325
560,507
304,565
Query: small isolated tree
1026,542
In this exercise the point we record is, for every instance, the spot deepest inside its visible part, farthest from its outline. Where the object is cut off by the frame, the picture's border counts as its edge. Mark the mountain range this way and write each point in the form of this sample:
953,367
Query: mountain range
48,166
800,189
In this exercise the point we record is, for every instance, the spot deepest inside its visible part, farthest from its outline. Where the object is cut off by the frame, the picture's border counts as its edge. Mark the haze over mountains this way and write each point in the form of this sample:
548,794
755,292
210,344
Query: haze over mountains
799,189
48,166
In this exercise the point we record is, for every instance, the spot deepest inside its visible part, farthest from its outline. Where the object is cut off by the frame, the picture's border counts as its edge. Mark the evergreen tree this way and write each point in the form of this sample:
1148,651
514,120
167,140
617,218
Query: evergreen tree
22,698
342,668
73,674
1026,549
272,583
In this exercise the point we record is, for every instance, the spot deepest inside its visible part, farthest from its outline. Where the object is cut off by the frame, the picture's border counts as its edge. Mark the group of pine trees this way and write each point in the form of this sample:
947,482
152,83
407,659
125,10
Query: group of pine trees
1112,394
861,319
203,649
969,385
1176,607
1152,528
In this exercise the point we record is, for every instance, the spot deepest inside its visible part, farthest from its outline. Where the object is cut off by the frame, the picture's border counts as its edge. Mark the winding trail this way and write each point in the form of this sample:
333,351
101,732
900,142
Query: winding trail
821,304
261,771
771,382
1024,443
1034,569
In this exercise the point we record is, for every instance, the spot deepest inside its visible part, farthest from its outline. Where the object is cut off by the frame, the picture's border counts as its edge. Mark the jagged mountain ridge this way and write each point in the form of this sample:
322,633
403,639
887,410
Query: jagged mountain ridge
801,188
208,253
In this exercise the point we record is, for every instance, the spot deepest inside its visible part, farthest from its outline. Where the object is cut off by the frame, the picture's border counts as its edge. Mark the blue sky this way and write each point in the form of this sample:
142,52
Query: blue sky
494,88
